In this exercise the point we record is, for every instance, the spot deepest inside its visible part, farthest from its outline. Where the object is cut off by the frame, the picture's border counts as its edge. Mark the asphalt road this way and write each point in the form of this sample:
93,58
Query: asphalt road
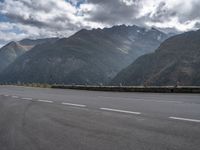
53,119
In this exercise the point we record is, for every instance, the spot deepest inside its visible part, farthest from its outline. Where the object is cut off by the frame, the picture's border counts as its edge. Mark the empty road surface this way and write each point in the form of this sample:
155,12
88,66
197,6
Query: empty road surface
56,119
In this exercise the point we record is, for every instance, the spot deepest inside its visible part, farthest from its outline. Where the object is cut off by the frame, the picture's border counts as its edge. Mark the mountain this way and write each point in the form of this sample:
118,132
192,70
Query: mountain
87,57
33,42
13,50
177,60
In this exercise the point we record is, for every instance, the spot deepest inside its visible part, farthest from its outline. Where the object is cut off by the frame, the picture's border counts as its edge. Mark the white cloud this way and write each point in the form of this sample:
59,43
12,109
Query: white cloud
175,23
177,14
128,2
9,36
47,18
6,26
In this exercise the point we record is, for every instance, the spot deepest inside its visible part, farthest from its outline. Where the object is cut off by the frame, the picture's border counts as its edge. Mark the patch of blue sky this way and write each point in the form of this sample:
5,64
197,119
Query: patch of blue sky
3,18
76,3
80,2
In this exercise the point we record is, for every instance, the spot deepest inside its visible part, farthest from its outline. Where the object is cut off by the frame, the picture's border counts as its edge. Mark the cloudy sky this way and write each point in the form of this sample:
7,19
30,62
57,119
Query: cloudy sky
49,18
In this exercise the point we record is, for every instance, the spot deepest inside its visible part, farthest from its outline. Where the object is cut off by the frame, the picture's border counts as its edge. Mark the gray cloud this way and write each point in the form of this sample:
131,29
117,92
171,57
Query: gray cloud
162,13
113,11
36,18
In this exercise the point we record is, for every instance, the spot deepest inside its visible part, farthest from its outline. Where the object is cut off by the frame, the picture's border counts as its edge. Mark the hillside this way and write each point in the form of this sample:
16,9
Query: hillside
176,61
10,52
88,57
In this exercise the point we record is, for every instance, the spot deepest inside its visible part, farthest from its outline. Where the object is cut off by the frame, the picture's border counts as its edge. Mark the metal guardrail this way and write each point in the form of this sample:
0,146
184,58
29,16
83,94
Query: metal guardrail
153,89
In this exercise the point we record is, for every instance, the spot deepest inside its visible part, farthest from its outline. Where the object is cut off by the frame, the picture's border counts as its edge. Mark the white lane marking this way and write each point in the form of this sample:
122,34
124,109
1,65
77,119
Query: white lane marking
163,101
146,100
6,95
121,111
27,98
185,119
71,104
15,97
45,101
